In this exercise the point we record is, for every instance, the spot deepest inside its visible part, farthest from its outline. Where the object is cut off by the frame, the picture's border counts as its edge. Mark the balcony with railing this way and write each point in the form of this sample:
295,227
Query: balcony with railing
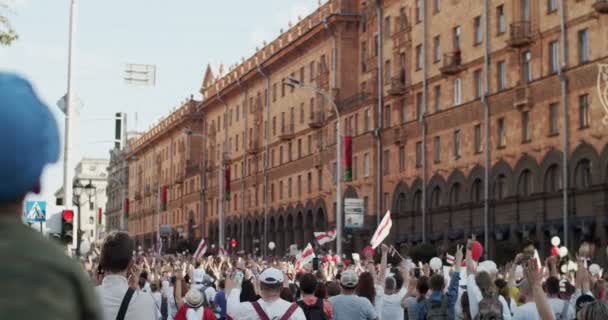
401,37
287,132
137,195
396,87
521,97
254,146
179,177
399,135
601,6
452,63
520,34
192,169
315,120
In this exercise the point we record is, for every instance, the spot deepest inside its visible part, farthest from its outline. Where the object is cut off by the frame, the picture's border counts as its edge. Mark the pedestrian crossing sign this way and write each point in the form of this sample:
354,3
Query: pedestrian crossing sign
35,211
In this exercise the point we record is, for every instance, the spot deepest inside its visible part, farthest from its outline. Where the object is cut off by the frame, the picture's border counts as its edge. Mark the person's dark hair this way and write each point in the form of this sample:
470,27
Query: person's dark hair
248,292
308,283
286,294
552,285
365,287
437,282
116,252
222,283
173,280
144,275
141,283
398,279
422,287
321,290
153,287
333,289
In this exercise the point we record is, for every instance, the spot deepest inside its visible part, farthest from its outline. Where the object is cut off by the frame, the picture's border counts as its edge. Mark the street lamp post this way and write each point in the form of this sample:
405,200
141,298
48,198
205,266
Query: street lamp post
77,190
293,82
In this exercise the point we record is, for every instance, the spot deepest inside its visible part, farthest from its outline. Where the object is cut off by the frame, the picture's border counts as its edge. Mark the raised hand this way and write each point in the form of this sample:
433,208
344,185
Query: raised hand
459,255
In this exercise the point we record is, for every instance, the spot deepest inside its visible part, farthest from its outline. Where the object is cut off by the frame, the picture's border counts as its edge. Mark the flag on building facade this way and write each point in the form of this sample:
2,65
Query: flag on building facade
227,182
325,237
163,198
383,230
348,158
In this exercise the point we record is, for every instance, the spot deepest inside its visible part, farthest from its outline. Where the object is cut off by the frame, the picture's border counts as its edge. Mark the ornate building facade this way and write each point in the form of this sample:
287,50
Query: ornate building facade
458,112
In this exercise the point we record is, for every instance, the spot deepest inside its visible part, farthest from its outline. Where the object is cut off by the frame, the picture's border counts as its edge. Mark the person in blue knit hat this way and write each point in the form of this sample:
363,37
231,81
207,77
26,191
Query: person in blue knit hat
39,281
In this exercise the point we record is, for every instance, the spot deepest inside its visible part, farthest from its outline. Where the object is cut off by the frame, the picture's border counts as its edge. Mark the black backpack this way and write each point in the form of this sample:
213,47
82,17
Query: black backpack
313,312
437,310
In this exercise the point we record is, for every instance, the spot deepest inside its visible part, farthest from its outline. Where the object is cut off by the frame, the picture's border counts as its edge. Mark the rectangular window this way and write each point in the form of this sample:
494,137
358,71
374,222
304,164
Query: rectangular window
477,134
456,36
309,144
289,151
401,158
418,11
281,190
274,126
583,46
387,27
309,182
376,45
292,76
299,148
477,83
553,57
283,87
236,145
387,71
387,116
366,165
302,75
272,192
457,144
366,120
302,115
355,167
553,125
402,19
501,132
525,126
280,155
457,92
403,112
419,57
418,154
386,162
418,105
289,188
583,111
364,57
356,125
436,6
437,92
437,149
526,68
501,75
501,25
299,186
437,48
551,6
478,34
334,171
238,109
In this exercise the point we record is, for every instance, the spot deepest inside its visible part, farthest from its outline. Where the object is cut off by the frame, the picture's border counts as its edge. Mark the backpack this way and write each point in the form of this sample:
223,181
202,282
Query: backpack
437,310
313,312
490,308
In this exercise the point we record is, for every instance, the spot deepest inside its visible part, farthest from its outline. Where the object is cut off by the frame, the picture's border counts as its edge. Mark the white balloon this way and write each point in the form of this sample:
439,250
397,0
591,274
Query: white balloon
564,268
271,245
488,266
572,266
436,263
519,272
563,251
555,241
595,269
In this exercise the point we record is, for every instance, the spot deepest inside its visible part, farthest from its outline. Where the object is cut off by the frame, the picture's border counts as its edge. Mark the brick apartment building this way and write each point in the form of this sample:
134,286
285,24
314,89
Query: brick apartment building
457,111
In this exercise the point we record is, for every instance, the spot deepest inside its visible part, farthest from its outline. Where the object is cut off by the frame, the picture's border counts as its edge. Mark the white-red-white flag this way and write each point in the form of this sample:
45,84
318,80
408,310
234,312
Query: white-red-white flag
325,237
450,259
200,250
384,228
306,255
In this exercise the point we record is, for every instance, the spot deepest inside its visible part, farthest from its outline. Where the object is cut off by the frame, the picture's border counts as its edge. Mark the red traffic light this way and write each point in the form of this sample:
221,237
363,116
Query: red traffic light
233,243
68,215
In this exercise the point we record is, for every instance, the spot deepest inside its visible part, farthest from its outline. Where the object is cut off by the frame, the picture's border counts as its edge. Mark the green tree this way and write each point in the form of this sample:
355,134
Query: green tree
7,33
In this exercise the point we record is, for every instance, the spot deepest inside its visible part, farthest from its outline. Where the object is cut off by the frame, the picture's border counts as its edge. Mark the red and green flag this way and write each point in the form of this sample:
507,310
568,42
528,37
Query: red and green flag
227,182
348,158
163,198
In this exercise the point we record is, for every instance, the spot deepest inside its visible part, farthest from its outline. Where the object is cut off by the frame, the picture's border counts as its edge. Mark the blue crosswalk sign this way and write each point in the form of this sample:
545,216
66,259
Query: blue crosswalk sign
35,211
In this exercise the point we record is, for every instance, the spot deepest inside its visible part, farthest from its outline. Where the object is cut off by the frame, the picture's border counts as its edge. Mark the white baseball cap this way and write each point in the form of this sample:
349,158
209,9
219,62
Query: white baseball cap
271,276
198,275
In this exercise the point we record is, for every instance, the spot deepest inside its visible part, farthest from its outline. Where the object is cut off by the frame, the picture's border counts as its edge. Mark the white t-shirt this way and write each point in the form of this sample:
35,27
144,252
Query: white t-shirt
245,311
526,311
391,306
111,293
557,306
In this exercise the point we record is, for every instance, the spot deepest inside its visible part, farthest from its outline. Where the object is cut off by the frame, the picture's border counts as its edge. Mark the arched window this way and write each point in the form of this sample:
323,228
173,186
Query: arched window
583,174
500,187
476,191
553,179
435,198
401,203
524,185
418,201
455,194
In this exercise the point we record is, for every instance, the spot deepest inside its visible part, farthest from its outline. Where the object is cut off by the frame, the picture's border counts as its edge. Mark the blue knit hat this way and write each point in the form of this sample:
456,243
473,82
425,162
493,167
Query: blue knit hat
29,137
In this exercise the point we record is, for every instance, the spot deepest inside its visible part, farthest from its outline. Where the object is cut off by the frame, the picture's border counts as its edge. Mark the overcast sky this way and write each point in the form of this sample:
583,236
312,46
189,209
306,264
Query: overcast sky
180,37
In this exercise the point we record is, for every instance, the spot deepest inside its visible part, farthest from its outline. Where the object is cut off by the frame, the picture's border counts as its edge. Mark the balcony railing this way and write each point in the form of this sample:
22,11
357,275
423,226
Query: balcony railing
452,63
287,132
521,34
254,146
315,120
397,85
601,6
192,169
521,97
398,135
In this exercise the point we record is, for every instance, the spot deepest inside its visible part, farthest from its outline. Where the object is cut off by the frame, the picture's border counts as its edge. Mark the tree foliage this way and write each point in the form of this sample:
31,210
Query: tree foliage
7,33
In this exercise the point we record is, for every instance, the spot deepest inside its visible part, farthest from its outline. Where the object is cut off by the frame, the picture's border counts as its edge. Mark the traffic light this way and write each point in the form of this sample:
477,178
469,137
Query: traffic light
67,226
